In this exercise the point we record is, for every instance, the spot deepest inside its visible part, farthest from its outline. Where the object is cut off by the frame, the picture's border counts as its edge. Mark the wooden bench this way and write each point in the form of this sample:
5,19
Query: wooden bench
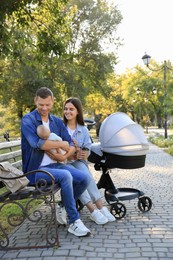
22,199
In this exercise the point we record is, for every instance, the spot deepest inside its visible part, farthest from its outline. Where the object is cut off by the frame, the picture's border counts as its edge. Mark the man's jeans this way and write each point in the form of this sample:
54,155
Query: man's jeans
73,182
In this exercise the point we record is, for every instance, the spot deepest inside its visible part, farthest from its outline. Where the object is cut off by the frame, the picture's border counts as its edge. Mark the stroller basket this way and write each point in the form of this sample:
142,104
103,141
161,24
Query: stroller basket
118,161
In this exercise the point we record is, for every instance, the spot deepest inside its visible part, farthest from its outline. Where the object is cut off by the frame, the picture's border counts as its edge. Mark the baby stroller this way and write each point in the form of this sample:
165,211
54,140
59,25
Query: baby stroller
122,145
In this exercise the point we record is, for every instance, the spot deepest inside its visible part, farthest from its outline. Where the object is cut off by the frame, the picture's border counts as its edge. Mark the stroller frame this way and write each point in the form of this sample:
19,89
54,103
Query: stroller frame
114,195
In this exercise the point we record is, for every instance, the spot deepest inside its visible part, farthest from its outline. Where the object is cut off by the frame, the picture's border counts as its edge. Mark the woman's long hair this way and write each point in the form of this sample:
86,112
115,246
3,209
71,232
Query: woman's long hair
78,105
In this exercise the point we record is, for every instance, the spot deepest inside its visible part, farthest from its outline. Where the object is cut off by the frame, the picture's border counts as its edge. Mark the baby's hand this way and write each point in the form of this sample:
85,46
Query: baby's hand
65,145
62,151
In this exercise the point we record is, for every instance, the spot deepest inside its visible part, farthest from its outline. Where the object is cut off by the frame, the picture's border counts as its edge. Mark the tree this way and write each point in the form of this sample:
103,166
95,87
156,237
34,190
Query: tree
143,91
87,66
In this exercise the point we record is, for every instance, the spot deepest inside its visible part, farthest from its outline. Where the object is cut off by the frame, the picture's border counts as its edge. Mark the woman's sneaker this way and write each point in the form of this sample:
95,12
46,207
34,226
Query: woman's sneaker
61,214
107,214
98,217
78,229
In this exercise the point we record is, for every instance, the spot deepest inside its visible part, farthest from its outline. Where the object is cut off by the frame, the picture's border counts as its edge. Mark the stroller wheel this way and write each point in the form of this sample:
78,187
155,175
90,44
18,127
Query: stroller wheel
118,210
144,204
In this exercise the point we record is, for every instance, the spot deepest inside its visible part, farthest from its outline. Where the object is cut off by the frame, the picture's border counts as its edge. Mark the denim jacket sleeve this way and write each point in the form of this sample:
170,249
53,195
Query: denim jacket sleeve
87,138
28,128
83,137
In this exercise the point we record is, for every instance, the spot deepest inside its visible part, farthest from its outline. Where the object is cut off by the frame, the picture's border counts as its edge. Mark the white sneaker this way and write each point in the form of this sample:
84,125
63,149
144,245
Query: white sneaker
61,214
78,229
98,217
107,214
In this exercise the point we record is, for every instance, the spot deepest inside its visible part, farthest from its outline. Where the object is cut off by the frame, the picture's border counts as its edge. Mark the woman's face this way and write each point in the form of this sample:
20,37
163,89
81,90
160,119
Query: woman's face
70,112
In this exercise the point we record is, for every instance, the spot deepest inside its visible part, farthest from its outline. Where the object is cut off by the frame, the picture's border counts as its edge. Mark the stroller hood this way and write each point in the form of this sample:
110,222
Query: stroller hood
119,134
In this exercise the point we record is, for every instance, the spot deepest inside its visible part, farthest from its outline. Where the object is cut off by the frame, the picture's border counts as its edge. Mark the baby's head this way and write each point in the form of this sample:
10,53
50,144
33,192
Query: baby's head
43,132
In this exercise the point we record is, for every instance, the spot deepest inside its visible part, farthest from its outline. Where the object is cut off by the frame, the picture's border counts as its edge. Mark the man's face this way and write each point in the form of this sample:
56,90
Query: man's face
44,105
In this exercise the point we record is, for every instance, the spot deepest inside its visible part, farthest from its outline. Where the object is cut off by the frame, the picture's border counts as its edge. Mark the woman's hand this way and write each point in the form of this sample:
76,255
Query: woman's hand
72,157
82,154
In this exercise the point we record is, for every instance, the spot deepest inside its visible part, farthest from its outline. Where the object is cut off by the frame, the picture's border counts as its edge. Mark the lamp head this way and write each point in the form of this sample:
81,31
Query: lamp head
146,59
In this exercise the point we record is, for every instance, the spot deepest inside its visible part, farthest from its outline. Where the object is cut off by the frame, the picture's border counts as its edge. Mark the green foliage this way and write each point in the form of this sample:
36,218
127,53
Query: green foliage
167,144
170,150
28,15
144,104
9,120
161,141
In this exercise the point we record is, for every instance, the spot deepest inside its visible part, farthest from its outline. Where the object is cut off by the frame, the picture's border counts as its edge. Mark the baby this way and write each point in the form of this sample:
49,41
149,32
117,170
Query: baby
44,133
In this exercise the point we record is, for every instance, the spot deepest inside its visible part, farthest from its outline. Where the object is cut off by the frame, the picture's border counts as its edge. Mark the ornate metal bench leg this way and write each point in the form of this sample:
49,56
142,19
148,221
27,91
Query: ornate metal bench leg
52,237
4,240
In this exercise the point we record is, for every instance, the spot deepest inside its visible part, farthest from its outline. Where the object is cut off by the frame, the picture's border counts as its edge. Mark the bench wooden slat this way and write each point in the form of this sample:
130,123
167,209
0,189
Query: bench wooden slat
4,196
17,164
10,144
21,194
10,155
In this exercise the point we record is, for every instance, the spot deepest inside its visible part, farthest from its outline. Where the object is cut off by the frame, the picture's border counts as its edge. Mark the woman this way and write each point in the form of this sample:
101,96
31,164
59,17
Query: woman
74,121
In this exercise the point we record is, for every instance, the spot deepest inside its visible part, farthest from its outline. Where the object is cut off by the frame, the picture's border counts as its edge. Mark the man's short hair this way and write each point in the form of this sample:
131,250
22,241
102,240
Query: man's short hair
44,93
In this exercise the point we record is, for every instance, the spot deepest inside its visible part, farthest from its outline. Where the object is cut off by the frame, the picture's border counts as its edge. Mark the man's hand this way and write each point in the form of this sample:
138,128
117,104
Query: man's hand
56,156
64,145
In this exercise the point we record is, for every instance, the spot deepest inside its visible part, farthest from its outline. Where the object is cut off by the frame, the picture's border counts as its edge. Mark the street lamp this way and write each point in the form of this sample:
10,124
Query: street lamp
146,59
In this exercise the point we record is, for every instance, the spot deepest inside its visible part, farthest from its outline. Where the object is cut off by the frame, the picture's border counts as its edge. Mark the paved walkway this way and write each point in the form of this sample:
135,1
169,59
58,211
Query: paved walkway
144,236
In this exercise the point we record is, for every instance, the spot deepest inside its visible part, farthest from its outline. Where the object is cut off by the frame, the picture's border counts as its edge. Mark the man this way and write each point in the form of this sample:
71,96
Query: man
35,155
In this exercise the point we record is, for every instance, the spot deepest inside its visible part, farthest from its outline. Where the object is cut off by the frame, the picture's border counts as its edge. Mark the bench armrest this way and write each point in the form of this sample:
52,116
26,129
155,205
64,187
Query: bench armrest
41,185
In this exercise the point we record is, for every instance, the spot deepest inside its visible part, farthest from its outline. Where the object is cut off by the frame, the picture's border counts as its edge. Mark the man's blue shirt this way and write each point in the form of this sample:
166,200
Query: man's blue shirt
32,154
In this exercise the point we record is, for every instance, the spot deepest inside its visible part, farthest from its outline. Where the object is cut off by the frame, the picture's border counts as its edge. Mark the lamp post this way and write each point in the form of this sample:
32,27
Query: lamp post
146,59
146,99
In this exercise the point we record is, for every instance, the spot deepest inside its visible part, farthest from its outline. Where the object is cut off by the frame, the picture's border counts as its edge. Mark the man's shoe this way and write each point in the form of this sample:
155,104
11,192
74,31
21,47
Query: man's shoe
107,214
61,214
98,217
78,229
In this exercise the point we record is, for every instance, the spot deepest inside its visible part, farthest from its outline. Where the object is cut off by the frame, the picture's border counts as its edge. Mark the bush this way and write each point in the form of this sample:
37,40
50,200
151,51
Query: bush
169,150
163,143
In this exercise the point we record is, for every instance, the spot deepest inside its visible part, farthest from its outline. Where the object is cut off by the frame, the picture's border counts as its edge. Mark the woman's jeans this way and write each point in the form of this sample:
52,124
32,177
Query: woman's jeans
91,193
72,181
